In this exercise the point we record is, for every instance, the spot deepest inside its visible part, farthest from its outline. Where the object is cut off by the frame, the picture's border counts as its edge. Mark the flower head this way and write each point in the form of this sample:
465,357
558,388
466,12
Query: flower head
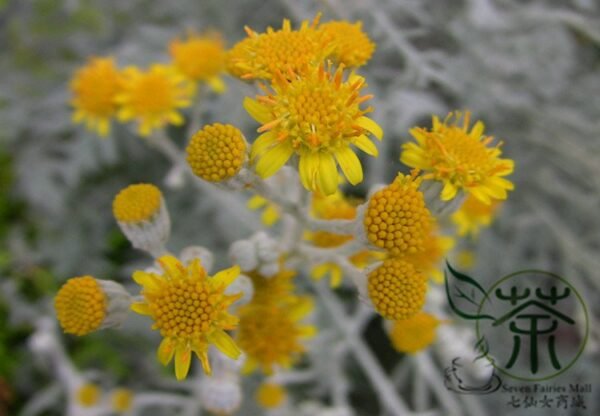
137,203
397,289
261,55
121,400
200,58
351,46
94,88
270,395
474,215
190,311
217,152
316,115
153,97
462,159
270,334
414,334
396,218
88,395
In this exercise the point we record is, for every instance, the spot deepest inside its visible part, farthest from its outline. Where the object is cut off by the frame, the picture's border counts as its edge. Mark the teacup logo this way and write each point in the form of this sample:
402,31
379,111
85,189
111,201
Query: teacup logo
529,321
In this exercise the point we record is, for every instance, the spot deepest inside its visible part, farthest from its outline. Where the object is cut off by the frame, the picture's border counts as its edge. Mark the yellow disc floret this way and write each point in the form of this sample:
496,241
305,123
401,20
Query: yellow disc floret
351,46
270,395
200,58
121,400
217,152
397,219
190,311
271,335
88,395
153,98
461,159
137,203
261,55
317,115
94,88
414,334
80,305
397,289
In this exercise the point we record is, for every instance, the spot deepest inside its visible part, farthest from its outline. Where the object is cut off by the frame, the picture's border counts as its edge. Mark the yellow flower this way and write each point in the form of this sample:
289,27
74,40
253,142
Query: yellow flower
80,305
261,55
317,116
461,159
428,261
414,334
270,395
94,88
270,214
137,203
200,58
153,98
397,219
217,152
270,334
352,47
88,395
190,311
397,289
474,215
121,400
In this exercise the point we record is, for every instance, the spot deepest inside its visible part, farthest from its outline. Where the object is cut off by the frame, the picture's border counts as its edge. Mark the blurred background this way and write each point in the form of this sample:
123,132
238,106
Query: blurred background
529,69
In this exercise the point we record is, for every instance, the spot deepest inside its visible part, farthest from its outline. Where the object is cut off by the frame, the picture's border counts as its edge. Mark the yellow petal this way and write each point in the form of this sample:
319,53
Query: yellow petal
183,359
448,192
273,159
166,350
308,168
217,85
307,331
301,308
172,266
502,183
256,202
256,110
350,165
262,143
366,145
477,130
372,127
320,271
478,193
141,307
336,276
270,216
328,175
146,280
225,343
225,277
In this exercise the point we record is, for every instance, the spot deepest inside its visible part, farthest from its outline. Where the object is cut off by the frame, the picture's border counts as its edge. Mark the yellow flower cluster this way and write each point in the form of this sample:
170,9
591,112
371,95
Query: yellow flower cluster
312,110
190,311
216,152
137,203
80,305
153,97
270,331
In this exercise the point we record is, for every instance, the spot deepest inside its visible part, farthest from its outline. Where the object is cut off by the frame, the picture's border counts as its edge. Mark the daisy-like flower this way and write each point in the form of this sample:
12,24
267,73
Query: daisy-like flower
317,116
200,58
261,55
153,98
462,158
94,88
190,311
473,215
271,334
351,46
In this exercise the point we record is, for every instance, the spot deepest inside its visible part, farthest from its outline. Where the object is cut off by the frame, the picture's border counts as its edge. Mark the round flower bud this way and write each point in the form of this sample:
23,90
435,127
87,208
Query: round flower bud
121,400
243,253
396,218
142,216
85,304
221,396
217,152
206,258
88,395
397,289
270,395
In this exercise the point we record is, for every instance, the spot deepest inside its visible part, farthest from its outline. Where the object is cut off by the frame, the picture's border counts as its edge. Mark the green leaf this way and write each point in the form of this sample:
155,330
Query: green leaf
465,294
